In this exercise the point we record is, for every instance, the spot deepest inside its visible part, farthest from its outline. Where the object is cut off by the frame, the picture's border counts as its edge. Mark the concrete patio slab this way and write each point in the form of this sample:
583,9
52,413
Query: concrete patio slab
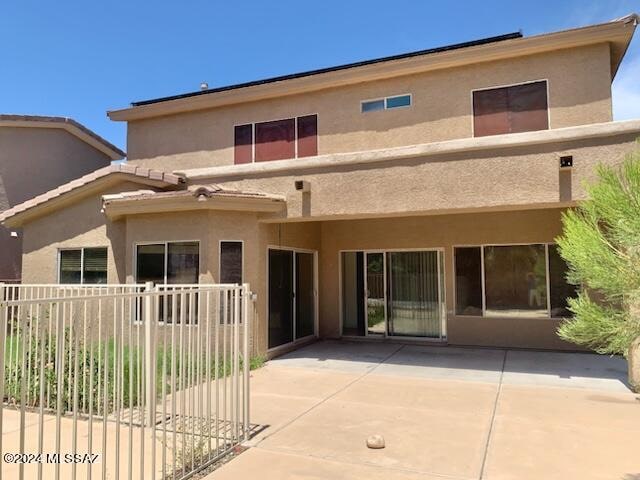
352,357
580,407
448,413
569,370
420,393
338,430
561,433
269,465
280,378
115,458
450,363
280,394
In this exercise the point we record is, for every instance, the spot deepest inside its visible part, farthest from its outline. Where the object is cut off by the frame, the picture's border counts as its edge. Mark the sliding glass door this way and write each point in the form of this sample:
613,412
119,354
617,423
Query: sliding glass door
400,294
414,303
305,297
292,304
375,294
280,297
353,294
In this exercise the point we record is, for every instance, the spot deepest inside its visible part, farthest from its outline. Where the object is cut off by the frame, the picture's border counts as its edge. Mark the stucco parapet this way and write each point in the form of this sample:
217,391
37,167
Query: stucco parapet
582,132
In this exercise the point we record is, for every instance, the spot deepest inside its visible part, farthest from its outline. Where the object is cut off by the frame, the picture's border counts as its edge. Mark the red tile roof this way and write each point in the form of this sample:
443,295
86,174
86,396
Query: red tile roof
208,191
166,179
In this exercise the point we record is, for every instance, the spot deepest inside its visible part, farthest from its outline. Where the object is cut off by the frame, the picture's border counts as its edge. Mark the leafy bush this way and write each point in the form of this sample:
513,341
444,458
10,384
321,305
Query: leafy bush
94,360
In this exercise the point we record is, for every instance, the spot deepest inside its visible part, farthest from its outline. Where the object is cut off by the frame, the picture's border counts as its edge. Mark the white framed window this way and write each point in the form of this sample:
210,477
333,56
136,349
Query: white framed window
168,262
86,265
386,103
519,280
231,261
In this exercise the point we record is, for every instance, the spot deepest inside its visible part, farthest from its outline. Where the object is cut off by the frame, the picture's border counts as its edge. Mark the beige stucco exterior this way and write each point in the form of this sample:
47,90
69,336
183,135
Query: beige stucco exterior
411,178
32,161
48,234
522,177
441,110
81,224
443,232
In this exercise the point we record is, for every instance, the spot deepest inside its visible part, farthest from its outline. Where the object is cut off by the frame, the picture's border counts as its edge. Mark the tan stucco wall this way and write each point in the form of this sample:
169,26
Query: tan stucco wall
33,161
579,93
209,228
44,236
80,224
443,231
509,177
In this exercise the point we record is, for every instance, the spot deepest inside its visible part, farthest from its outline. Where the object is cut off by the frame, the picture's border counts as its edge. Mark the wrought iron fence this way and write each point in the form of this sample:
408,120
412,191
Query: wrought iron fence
153,379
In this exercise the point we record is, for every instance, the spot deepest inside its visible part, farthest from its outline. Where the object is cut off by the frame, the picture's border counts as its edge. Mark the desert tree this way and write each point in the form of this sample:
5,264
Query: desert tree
601,245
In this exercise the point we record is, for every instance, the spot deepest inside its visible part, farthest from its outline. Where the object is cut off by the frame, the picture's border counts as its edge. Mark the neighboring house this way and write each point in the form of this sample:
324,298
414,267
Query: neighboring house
37,154
414,197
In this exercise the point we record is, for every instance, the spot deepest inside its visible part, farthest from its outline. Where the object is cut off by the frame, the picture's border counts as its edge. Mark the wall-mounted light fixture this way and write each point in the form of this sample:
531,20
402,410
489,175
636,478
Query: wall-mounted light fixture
566,161
302,186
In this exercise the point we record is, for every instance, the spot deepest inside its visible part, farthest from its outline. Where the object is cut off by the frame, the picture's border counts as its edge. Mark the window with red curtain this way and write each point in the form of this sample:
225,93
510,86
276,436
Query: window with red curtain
308,136
519,108
276,140
243,150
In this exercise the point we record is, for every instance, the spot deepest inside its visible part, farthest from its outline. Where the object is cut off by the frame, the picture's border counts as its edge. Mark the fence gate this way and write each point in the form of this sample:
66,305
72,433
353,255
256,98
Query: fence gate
122,381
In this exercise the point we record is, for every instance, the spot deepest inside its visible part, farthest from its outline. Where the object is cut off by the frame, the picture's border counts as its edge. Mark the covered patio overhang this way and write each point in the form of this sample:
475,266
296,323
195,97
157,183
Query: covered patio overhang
196,197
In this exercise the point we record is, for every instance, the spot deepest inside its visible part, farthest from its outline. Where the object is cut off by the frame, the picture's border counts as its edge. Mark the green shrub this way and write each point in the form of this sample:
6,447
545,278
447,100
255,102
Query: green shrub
180,369
601,245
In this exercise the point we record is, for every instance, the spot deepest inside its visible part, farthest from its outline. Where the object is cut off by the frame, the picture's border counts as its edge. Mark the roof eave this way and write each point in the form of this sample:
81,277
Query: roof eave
84,186
67,124
617,33
116,209
619,49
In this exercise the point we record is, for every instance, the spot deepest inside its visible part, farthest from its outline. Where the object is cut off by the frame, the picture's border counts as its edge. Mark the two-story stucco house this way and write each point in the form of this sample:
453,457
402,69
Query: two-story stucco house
414,197
38,153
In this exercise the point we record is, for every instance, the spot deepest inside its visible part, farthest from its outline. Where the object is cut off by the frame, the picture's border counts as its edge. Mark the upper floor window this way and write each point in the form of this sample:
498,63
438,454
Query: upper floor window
386,103
276,140
512,109
83,265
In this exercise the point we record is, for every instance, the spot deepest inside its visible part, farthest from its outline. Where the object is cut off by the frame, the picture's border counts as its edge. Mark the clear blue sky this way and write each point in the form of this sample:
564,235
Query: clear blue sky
80,59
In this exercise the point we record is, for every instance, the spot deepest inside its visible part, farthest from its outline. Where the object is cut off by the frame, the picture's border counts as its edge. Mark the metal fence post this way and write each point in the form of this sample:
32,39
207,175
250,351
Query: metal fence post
4,312
150,355
246,315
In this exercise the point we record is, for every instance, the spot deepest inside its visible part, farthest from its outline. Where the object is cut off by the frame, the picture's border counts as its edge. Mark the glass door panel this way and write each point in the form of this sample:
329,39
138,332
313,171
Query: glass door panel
375,298
414,302
280,297
353,312
305,295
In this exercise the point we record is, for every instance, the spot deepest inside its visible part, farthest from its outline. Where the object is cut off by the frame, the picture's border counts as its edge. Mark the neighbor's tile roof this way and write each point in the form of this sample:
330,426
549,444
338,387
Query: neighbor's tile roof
119,169
63,122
